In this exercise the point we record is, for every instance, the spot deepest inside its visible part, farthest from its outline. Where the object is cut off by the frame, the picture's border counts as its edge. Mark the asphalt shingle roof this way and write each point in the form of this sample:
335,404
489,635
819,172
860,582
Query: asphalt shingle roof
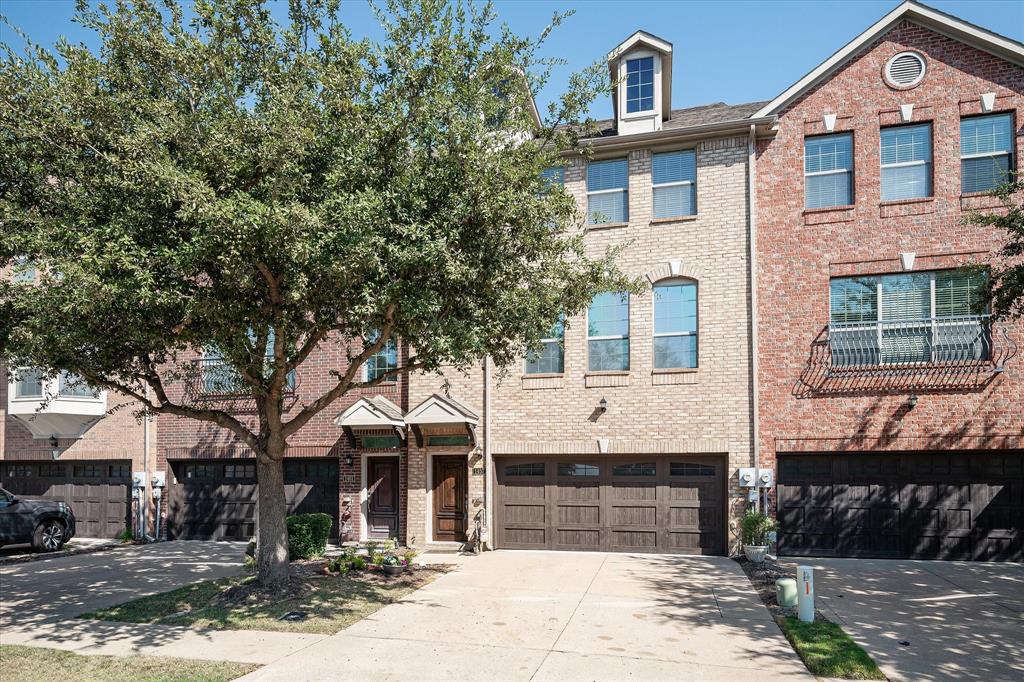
718,112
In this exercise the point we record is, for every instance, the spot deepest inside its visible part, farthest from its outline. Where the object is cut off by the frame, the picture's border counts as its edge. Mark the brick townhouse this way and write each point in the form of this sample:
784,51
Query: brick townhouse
885,403
890,403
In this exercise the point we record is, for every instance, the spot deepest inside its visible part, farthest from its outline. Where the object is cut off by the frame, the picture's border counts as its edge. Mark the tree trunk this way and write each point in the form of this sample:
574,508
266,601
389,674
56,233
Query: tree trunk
272,531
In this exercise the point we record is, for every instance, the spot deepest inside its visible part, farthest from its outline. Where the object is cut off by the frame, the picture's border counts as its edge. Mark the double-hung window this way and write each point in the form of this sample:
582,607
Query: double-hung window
608,191
608,332
674,180
72,386
675,325
907,162
383,361
986,152
552,177
828,170
550,360
916,317
24,270
639,85
28,383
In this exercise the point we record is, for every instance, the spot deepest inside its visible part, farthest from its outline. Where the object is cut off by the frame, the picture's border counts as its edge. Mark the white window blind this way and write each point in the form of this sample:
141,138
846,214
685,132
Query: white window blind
608,332
608,191
906,162
986,152
674,180
675,325
828,170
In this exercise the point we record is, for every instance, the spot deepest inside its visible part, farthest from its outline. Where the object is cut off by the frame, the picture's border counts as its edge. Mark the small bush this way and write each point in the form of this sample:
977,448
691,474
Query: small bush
754,528
307,535
126,535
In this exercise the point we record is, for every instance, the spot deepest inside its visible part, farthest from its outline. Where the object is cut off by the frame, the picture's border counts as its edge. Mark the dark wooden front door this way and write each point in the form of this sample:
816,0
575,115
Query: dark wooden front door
382,497
450,499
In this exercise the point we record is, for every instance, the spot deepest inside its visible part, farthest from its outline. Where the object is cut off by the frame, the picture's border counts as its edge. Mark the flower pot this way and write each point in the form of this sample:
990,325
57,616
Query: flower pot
755,553
393,570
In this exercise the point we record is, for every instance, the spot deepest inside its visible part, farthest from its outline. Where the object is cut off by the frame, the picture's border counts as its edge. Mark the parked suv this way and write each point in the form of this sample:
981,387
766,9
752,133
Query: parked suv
45,524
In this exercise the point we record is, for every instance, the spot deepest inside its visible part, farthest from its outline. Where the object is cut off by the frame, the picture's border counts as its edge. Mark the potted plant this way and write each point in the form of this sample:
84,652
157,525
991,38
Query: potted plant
754,530
392,565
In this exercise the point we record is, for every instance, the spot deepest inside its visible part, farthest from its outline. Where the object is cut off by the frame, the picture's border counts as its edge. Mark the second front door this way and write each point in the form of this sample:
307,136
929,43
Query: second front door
382,497
450,499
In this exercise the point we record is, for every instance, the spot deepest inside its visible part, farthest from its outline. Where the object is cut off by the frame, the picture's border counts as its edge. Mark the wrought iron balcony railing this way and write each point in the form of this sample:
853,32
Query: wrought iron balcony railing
911,344
219,378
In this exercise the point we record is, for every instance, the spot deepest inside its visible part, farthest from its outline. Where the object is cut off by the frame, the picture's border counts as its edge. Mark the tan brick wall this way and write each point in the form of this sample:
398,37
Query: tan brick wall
705,411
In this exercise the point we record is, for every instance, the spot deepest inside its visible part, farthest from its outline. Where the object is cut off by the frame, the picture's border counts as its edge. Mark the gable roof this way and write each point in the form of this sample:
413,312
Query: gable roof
651,42
441,409
374,412
933,19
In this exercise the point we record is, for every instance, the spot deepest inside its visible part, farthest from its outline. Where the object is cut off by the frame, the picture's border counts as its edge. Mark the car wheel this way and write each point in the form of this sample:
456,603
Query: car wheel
49,536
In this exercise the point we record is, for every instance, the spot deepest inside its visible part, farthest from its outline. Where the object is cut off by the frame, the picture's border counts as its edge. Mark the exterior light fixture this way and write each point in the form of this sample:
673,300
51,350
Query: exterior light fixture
55,450
603,406
348,460
912,401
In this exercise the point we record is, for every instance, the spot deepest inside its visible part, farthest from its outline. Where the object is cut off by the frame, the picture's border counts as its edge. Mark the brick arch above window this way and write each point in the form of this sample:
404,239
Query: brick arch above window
674,269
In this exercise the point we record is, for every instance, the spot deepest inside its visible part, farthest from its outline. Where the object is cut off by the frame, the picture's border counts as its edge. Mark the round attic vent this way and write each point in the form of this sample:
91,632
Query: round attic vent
905,69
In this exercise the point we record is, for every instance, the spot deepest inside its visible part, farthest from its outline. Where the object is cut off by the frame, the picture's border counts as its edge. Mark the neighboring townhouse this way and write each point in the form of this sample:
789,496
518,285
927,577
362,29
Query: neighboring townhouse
889,401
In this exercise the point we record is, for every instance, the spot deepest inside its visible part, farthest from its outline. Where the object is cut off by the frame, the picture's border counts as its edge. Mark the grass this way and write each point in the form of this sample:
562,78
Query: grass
827,651
331,603
33,664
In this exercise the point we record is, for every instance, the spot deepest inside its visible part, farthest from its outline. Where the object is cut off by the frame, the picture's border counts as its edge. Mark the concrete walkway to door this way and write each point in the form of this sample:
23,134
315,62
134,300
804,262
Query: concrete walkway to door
520,615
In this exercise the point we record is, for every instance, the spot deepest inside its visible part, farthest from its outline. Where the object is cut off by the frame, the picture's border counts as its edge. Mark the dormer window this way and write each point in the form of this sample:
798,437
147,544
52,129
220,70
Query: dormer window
639,84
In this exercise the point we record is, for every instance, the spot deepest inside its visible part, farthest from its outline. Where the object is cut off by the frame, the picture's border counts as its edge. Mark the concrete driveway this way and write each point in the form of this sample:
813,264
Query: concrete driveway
959,620
64,587
564,616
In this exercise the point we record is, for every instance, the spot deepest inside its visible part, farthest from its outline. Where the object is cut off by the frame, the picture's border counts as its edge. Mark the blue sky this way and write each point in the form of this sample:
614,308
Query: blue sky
724,51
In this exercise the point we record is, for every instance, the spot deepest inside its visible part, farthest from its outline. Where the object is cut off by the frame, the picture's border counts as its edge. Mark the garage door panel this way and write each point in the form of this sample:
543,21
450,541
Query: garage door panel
947,505
656,504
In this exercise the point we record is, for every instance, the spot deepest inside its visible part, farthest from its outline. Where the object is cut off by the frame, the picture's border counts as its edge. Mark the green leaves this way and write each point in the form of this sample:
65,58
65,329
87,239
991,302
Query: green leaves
1005,286
200,179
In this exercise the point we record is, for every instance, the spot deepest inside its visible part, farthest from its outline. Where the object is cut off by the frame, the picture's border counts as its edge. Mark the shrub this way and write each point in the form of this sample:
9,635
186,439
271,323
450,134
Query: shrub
126,535
754,528
307,535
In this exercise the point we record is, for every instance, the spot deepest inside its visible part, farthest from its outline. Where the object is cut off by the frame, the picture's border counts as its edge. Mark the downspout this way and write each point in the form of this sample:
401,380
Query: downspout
754,364
488,463
144,495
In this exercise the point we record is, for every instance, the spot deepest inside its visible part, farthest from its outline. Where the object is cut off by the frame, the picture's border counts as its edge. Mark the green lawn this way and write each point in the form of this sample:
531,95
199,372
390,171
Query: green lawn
34,664
332,603
827,651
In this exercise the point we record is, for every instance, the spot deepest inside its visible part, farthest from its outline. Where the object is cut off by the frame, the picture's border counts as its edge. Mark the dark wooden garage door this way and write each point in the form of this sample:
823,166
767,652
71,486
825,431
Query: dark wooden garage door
940,505
97,492
643,504
216,499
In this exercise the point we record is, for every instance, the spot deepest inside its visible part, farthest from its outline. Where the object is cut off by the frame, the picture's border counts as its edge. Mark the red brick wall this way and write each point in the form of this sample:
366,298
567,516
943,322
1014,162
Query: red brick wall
800,250
182,438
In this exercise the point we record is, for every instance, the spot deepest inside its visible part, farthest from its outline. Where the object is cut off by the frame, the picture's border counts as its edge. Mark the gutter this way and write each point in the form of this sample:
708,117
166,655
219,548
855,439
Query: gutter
721,128
754,364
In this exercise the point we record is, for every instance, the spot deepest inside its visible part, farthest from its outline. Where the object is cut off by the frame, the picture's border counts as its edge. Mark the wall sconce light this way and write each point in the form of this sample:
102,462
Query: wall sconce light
912,401
603,406
54,449
348,460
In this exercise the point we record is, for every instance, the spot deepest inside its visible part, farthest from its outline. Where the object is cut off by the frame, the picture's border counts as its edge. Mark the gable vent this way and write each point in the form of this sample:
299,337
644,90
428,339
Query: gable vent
905,69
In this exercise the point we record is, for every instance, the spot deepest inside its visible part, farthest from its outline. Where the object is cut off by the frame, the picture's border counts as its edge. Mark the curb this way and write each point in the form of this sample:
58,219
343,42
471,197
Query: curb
75,551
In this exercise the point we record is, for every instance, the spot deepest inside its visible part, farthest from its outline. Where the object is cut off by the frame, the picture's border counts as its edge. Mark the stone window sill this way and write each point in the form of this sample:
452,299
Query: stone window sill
608,373
828,209
675,370
605,226
905,202
547,375
674,219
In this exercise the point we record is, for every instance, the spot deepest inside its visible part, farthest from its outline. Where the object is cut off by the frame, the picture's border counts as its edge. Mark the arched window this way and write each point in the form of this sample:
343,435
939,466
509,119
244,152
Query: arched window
675,324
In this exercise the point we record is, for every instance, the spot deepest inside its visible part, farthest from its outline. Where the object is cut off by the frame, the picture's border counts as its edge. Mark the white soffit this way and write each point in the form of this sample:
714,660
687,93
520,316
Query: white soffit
439,410
932,19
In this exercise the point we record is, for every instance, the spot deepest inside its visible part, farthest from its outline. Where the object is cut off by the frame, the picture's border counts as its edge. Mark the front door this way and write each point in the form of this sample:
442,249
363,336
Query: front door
450,499
382,497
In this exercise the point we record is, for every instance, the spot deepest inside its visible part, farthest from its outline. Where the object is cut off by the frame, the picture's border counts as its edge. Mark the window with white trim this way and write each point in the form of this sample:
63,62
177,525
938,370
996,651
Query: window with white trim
382,361
28,383
907,162
608,332
550,360
639,84
910,317
72,386
675,325
608,191
828,170
986,152
674,181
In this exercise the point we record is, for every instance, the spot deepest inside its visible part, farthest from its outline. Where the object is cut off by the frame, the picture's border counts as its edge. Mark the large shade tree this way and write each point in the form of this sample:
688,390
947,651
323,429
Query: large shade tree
212,178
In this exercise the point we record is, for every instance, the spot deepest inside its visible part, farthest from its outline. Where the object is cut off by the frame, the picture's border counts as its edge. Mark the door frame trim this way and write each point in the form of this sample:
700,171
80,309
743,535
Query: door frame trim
364,498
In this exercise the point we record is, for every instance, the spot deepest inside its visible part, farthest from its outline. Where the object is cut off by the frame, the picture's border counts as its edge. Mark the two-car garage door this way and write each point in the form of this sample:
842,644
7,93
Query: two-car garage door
930,505
661,504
